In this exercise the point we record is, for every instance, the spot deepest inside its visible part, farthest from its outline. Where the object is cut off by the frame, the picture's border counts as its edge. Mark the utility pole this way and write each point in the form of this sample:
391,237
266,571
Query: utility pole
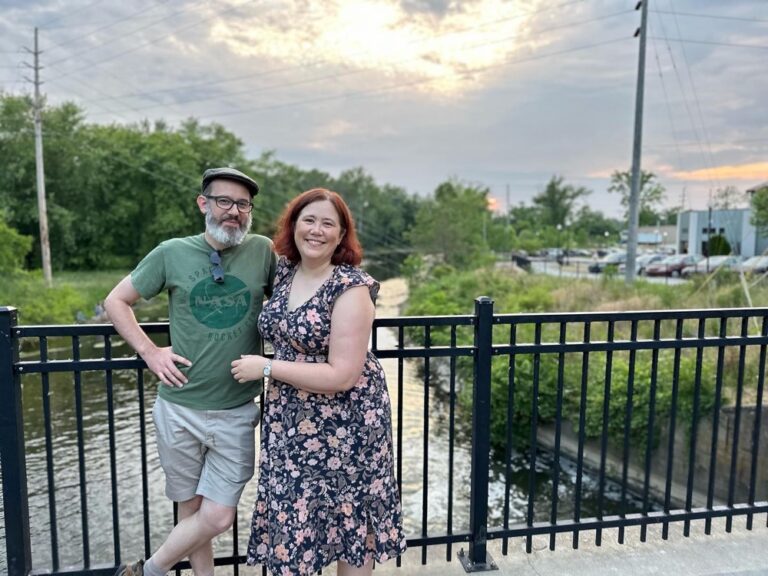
634,194
42,210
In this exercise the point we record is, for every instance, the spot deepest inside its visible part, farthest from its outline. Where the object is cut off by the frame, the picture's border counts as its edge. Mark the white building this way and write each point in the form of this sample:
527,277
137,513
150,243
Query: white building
696,227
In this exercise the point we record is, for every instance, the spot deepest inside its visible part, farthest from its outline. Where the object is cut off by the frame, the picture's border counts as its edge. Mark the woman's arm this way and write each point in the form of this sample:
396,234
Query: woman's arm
351,323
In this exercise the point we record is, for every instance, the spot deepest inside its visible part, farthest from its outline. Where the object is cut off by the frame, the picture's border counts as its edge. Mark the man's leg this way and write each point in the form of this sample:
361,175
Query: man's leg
202,558
190,537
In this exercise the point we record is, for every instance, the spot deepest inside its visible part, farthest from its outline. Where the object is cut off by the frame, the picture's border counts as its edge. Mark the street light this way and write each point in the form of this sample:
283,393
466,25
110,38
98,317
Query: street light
559,244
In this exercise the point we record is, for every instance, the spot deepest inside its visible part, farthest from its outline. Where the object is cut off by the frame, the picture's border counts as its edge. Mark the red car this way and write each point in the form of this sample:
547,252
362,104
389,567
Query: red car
672,266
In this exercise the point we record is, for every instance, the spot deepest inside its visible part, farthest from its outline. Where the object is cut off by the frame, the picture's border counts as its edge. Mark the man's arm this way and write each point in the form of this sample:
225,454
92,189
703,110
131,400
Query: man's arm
161,361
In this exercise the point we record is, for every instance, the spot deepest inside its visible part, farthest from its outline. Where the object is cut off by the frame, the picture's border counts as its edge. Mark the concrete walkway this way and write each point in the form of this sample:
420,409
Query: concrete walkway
738,553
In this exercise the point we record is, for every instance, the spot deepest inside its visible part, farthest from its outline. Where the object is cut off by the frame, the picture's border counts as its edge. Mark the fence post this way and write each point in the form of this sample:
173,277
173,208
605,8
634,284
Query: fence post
15,506
478,559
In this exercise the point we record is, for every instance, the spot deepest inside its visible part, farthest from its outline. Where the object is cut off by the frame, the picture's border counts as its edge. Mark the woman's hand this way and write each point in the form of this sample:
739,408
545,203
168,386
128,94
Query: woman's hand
248,368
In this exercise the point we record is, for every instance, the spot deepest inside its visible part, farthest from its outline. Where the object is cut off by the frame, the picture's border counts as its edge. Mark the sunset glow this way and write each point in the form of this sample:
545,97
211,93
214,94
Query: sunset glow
433,52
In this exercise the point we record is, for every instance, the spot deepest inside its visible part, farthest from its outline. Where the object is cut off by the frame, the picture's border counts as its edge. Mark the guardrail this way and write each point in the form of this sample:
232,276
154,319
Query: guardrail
655,416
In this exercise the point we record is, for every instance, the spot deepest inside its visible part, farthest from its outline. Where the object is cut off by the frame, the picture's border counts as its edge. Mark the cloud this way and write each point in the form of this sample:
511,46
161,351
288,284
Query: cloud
742,173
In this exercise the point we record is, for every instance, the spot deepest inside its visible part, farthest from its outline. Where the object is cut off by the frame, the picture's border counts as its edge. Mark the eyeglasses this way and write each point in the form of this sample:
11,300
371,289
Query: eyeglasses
225,203
217,272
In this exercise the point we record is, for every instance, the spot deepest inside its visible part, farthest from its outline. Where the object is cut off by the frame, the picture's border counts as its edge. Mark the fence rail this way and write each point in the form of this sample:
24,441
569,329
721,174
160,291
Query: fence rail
641,417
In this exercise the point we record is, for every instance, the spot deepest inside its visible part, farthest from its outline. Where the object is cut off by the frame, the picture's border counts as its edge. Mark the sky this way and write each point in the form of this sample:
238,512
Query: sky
498,93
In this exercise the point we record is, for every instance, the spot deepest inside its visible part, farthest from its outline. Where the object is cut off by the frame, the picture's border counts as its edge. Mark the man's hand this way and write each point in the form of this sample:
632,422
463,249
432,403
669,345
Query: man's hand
162,362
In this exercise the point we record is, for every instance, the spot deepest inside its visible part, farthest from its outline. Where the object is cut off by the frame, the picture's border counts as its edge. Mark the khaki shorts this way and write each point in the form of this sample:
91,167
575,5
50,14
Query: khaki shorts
205,452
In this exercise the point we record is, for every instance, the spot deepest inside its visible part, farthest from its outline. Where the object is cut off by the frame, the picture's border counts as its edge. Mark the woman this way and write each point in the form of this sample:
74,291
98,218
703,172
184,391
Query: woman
326,489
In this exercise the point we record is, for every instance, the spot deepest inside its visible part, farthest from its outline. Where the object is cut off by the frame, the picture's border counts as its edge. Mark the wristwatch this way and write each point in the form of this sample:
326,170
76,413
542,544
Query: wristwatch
267,369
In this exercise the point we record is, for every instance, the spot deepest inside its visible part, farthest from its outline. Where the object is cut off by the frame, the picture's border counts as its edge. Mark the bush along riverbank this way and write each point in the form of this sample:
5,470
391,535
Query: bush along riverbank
447,291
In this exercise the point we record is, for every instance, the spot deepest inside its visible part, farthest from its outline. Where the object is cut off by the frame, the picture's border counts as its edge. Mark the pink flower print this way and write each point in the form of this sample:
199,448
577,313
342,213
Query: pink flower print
302,330
285,571
349,523
377,487
308,555
302,395
281,552
341,432
371,417
282,517
346,508
312,316
283,325
333,442
326,411
313,445
307,427
334,463
276,427
393,533
383,537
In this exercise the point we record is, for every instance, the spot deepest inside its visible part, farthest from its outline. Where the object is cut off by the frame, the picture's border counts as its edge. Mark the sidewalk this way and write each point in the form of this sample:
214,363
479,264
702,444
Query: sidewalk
740,553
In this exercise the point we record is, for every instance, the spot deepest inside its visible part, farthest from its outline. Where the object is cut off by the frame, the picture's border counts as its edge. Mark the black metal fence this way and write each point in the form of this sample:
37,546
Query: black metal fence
637,418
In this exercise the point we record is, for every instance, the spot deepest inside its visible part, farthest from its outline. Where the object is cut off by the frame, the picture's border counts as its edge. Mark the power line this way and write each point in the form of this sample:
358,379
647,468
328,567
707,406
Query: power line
711,43
140,46
67,14
106,27
397,86
711,16
336,76
262,74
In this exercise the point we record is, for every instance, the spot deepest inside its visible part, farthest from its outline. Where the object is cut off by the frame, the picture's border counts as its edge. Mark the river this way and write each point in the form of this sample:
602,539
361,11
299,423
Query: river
127,461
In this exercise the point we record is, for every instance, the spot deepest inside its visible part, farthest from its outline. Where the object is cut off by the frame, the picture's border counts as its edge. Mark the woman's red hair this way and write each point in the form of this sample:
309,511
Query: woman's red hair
348,251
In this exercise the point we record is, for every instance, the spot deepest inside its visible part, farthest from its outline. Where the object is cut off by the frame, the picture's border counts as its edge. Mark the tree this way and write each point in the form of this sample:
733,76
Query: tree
728,198
652,195
452,224
759,217
13,248
557,201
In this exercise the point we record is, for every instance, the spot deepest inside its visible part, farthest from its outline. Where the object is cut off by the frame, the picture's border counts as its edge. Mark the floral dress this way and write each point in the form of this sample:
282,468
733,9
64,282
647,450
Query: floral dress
326,488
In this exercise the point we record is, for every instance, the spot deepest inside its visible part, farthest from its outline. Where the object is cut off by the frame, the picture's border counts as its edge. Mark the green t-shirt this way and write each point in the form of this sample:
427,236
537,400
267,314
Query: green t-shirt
211,324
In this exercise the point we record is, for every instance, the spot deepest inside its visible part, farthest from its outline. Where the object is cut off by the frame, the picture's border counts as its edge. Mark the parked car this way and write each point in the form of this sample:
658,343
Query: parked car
672,265
709,265
642,262
612,259
754,265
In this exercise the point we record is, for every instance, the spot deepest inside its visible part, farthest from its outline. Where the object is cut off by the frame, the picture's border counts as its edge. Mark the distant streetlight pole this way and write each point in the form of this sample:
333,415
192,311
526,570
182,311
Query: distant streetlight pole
634,194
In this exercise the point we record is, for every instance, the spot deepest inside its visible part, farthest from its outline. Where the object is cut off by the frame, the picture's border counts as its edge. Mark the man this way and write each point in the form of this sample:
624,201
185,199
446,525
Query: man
204,419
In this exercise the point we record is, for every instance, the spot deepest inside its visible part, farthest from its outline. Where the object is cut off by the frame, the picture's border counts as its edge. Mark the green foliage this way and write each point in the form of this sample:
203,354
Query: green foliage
557,201
71,293
13,248
454,293
718,245
652,195
115,191
453,225
759,217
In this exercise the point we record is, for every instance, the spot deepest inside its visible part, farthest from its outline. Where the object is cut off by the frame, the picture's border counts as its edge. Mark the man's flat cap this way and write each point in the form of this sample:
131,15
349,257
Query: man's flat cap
230,174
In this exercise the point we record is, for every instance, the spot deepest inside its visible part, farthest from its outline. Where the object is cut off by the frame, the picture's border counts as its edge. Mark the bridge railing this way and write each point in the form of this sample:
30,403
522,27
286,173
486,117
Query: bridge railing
506,426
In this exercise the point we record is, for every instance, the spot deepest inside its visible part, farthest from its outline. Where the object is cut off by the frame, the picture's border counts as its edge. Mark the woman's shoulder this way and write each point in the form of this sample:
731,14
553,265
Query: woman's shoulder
348,276
284,269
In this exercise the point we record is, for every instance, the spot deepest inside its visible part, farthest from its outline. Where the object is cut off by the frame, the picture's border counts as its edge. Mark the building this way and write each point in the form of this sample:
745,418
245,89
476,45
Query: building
696,227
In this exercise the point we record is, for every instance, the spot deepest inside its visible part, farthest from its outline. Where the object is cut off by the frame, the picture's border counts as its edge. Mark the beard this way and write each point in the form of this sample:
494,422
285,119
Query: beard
229,237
